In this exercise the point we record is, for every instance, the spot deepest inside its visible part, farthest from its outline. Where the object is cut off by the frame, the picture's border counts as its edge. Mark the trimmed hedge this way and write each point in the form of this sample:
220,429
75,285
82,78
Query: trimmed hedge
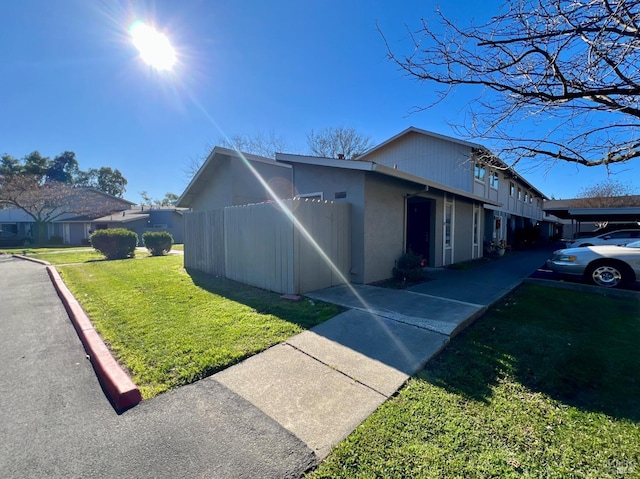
116,243
157,242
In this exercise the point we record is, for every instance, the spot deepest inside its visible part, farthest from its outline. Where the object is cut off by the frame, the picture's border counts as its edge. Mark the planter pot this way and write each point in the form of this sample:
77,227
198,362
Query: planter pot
500,252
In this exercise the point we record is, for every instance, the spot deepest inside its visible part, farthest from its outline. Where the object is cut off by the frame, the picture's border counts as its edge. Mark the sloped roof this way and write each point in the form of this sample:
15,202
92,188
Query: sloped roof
473,146
198,182
583,209
380,169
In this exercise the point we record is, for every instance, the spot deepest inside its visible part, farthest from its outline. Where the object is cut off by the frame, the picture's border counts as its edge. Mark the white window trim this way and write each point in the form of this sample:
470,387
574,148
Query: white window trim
318,194
493,174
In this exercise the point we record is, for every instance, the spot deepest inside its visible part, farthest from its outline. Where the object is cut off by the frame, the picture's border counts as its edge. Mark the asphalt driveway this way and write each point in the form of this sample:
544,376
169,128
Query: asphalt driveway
55,420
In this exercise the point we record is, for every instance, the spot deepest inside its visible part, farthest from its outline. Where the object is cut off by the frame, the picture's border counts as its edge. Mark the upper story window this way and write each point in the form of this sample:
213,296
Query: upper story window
530,199
512,189
526,197
493,179
479,171
519,193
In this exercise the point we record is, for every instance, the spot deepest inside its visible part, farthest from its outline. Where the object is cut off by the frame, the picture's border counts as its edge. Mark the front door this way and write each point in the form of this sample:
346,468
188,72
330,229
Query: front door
419,227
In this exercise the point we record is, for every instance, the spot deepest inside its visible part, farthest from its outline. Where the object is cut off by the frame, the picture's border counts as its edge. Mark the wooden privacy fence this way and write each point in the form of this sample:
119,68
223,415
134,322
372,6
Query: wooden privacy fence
262,246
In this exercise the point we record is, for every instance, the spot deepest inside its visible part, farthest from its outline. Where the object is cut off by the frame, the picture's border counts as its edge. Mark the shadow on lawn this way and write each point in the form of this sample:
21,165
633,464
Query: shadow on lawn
577,348
305,314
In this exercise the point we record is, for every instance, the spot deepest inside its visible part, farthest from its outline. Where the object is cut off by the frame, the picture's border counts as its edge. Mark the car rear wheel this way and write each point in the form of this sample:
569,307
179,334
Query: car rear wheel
608,275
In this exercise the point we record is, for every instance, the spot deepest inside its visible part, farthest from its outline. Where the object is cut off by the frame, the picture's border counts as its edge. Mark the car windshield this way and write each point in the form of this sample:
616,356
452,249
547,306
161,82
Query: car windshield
635,244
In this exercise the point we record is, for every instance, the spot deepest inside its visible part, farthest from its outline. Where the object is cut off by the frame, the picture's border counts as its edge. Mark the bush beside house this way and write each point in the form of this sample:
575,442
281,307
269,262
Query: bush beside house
116,243
157,242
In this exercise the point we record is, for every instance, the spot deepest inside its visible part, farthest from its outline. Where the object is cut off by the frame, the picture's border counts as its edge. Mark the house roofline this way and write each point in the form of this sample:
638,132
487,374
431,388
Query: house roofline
221,151
473,146
413,129
371,166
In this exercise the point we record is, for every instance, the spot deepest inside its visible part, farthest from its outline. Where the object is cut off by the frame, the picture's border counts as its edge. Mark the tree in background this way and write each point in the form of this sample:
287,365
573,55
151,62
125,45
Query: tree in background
48,201
47,189
338,142
260,144
169,199
64,169
608,194
103,179
572,64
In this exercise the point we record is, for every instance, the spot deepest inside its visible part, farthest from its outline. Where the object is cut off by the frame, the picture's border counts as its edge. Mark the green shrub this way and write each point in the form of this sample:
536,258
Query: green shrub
408,268
117,243
157,242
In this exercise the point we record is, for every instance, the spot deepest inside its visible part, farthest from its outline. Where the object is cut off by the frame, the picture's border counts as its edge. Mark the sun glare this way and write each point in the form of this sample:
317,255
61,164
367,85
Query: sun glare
154,47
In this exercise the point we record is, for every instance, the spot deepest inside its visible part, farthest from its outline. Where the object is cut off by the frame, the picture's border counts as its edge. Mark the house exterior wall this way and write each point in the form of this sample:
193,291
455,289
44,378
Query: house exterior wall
452,164
384,226
247,188
230,182
463,228
439,160
218,192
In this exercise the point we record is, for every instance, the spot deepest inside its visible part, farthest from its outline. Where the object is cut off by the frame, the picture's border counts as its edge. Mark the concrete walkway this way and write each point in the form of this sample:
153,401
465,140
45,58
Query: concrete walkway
274,415
323,382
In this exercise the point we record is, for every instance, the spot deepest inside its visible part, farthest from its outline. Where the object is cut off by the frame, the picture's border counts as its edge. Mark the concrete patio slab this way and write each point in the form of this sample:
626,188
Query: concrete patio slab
320,405
376,351
445,316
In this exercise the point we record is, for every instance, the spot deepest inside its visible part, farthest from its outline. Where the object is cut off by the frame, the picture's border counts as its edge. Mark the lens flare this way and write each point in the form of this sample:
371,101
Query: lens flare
154,47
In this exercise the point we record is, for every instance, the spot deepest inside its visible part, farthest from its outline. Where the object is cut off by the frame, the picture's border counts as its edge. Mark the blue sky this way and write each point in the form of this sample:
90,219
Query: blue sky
71,79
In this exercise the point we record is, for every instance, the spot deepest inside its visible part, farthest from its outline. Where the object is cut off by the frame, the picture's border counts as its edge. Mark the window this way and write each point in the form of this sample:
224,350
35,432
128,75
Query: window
519,193
339,195
526,197
479,172
493,180
512,189
312,196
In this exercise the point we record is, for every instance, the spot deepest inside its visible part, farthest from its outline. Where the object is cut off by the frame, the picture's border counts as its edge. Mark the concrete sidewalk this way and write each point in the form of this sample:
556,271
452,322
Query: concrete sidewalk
324,382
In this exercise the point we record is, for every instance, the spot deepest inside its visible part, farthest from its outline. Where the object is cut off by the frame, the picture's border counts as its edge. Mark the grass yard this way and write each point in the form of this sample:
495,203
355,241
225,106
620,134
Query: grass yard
64,254
546,385
170,328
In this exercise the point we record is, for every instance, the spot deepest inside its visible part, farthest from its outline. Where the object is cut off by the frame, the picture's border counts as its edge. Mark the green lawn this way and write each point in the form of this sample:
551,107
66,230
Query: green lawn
547,384
69,254
170,328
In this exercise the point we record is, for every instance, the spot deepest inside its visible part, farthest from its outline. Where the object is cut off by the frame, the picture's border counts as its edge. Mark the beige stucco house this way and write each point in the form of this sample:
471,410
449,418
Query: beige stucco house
437,196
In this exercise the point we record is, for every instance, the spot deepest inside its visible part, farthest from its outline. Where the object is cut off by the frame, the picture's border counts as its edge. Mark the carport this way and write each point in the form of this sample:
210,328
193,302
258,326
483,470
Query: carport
578,214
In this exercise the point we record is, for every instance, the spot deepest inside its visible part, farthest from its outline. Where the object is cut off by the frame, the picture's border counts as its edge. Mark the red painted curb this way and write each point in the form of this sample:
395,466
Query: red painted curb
119,387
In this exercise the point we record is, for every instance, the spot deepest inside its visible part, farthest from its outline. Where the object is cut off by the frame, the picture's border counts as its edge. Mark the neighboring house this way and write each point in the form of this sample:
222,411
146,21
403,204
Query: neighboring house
141,219
107,211
66,227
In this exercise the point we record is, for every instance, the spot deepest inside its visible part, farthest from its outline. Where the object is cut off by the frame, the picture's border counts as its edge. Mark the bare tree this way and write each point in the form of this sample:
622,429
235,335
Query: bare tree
260,144
608,194
51,200
338,142
570,65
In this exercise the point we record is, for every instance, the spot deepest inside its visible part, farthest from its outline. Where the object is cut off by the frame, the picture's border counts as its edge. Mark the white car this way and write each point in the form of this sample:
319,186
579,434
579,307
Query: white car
606,265
618,238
